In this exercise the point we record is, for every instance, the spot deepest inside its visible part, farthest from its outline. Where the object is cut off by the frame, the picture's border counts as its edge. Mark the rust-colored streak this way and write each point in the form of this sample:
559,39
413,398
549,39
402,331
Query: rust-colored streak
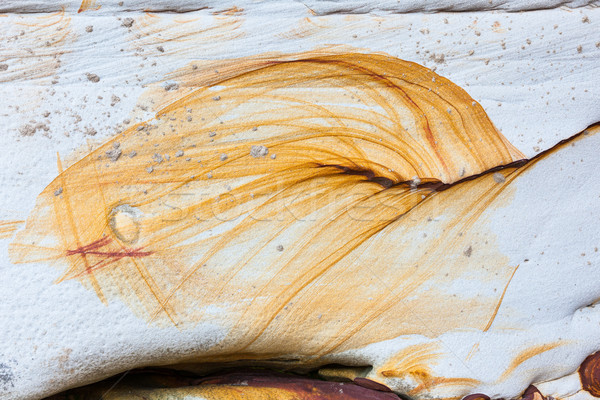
105,257
440,381
231,11
88,5
91,249
589,374
473,351
413,360
491,321
526,355
116,254
68,227
414,363
8,228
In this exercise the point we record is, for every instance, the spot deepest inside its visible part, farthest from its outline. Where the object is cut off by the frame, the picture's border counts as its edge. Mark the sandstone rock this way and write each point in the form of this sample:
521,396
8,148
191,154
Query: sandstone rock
408,234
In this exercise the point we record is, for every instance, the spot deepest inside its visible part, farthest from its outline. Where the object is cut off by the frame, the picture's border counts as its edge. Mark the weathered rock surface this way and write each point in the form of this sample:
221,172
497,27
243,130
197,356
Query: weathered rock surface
286,185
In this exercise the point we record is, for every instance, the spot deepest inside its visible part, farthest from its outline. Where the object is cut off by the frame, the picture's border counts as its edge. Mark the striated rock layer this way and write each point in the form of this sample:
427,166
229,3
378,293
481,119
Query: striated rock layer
346,208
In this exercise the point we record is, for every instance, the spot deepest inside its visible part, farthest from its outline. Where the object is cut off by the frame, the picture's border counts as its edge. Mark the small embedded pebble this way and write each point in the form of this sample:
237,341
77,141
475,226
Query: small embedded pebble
157,157
468,251
279,247
92,77
128,22
90,131
27,130
58,191
273,156
217,98
499,178
132,154
149,169
89,28
258,151
168,86
416,181
209,175
179,153
114,100
3,67
223,157
114,153
212,134
161,49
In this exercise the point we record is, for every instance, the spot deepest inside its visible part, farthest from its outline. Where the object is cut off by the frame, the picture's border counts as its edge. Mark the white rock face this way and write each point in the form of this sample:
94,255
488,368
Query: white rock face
504,287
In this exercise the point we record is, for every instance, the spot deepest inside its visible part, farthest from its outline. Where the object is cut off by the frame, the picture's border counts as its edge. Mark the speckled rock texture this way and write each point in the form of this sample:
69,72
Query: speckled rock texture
383,198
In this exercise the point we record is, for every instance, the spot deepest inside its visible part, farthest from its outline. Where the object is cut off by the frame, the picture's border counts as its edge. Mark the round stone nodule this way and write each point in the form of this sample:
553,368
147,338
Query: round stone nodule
589,374
477,396
123,221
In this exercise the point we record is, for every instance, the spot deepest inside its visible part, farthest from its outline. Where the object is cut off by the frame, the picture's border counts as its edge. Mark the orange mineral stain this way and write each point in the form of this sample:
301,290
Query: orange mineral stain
88,5
231,11
8,228
160,33
414,361
261,189
527,354
35,43
413,364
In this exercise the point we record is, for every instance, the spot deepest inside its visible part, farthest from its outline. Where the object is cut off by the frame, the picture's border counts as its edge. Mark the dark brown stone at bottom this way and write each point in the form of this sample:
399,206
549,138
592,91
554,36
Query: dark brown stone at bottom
589,374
